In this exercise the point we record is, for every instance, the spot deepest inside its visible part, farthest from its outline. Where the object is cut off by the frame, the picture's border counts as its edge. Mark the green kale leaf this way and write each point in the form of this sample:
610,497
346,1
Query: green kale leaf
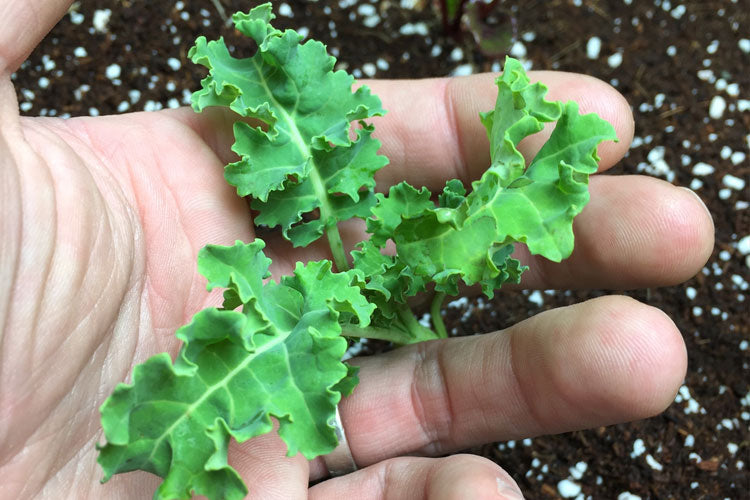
279,356
470,236
301,162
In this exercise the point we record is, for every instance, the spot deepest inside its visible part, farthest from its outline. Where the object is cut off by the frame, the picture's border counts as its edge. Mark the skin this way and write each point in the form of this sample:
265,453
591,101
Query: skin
102,219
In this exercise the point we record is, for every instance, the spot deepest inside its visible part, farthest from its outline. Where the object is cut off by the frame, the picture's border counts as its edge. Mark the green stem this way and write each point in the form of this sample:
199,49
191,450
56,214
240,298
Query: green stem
437,319
337,248
418,332
315,178
408,319
394,335
405,330
373,332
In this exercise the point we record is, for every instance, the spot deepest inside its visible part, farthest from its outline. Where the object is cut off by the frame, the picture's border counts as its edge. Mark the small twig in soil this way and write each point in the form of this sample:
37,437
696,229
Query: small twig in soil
570,48
373,33
640,89
670,112
640,71
222,12
598,10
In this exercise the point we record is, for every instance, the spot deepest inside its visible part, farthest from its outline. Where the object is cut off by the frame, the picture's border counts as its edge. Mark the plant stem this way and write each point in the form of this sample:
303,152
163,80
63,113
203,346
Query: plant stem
437,319
373,332
394,335
337,248
222,13
408,319
417,331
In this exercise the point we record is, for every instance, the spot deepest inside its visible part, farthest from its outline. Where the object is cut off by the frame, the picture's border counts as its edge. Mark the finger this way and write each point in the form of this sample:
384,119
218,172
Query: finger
458,476
25,24
607,360
635,232
432,131
269,473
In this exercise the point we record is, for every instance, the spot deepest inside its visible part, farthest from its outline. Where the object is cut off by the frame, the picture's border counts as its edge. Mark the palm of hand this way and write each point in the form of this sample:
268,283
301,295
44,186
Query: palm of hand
123,206
105,218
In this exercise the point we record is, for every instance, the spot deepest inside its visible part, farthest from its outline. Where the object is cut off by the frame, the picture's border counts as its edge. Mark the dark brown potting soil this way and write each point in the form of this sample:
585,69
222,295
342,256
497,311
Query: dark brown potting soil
685,69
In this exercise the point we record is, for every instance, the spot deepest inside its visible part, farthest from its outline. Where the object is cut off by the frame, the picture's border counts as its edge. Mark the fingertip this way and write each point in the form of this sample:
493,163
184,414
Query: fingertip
683,238
604,361
636,232
31,21
471,476
669,361
701,238
642,355
449,478
627,361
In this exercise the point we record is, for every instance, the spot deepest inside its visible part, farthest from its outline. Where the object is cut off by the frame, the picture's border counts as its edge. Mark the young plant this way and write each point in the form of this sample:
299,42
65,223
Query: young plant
490,24
274,349
451,11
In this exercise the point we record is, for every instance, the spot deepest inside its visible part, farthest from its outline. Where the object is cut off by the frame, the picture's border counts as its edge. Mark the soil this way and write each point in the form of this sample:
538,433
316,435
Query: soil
685,69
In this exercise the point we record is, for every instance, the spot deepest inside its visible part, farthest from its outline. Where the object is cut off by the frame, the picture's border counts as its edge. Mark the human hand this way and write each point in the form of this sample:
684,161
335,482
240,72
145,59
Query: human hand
104,218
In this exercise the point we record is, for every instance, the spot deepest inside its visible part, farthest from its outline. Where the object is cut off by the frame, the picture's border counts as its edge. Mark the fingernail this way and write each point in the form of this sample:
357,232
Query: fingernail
507,491
710,216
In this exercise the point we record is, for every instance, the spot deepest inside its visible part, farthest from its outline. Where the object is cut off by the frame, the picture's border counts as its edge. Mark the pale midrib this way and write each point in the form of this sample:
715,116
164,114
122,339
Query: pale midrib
326,210
212,389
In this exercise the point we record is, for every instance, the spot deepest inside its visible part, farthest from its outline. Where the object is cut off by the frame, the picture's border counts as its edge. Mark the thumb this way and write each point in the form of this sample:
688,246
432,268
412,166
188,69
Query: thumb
22,25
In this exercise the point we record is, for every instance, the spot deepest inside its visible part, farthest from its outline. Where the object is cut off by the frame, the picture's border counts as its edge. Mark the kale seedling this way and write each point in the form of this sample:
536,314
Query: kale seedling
274,349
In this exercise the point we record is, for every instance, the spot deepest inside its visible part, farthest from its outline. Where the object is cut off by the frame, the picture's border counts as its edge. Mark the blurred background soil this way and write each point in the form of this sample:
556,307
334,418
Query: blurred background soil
683,66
